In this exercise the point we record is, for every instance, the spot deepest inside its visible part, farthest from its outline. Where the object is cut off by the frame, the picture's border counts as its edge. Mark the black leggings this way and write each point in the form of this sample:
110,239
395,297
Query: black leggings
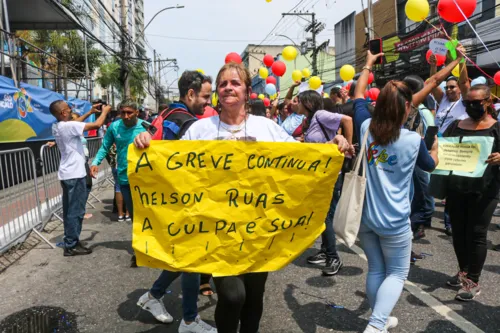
470,217
241,298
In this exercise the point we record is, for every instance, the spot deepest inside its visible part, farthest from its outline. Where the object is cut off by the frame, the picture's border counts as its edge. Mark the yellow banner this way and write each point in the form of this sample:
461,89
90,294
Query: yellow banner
227,208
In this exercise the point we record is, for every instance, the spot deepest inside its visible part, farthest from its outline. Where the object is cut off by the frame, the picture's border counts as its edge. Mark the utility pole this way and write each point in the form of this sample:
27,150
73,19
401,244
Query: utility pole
370,20
314,28
87,72
125,51
156,83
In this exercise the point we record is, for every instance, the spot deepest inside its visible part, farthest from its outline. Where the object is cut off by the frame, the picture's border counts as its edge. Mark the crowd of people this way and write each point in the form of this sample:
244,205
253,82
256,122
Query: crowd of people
398,204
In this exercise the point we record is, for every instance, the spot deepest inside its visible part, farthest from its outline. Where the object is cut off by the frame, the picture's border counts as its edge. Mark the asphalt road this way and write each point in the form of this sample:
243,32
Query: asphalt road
98,293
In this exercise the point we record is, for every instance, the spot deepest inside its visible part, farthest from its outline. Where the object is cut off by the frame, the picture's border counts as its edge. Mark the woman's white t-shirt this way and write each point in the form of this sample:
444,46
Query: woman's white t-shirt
255,128
448,112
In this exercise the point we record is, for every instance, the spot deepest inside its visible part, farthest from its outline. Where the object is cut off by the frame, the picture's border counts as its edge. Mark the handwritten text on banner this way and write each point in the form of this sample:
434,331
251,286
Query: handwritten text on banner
227,208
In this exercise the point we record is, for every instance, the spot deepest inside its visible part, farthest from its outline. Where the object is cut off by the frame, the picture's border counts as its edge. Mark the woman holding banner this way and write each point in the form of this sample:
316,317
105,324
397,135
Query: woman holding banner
392,153
471,201
240,300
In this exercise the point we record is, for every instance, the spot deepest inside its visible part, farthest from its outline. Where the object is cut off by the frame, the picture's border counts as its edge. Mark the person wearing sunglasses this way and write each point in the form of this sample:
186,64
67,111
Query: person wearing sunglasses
450,101
450,105
471,201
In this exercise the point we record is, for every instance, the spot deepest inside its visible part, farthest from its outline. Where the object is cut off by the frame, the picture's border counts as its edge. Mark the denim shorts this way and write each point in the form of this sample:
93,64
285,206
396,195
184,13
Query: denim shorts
115,179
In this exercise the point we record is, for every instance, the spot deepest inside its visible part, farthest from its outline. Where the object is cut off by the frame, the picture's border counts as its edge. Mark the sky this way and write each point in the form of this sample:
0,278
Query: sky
200,35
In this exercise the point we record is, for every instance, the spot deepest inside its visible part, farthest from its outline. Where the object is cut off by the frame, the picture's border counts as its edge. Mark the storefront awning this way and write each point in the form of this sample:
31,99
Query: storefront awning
40,15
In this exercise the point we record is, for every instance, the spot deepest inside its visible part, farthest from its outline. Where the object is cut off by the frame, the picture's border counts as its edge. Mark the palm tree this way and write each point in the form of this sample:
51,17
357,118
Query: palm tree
109,77
137,81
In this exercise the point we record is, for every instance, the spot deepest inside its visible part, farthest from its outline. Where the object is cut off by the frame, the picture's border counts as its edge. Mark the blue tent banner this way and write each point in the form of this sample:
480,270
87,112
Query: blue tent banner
24,111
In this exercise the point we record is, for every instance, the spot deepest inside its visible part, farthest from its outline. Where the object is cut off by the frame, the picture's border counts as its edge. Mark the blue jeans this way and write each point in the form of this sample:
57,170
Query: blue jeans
328,241
388,267
74,199
127,199
190,288
422,205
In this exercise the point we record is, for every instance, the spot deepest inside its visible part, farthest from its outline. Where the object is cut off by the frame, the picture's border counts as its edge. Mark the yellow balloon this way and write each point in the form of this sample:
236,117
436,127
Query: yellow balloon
289,53
347,72
417,10
262,96
273,97
325,95
269,0
456,71
306,72
296,75
199,70
314,82
263,73
215,99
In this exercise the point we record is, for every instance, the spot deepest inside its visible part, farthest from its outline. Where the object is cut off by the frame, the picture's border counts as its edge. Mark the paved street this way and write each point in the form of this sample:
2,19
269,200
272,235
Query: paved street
97,293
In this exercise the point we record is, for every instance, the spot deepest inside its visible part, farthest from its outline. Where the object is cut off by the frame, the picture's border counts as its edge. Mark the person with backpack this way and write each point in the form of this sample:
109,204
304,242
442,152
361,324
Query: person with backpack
195,90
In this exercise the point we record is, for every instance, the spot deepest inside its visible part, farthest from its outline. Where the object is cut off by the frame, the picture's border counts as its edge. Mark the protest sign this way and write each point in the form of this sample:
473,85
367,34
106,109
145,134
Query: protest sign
227,208
438,46
465,157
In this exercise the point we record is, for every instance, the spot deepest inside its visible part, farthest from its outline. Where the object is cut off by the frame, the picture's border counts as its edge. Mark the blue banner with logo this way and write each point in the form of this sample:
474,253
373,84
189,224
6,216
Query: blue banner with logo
24,111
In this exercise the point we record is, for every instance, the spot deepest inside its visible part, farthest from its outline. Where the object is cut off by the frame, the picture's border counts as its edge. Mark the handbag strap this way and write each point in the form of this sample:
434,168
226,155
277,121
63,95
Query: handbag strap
323,129
363,155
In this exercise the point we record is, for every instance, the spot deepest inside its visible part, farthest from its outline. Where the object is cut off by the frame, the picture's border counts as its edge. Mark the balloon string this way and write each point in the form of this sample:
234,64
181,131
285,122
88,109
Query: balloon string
475,32
465,56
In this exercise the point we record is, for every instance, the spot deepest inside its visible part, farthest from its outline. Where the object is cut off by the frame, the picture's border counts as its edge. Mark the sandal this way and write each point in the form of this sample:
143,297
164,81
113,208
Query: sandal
206,290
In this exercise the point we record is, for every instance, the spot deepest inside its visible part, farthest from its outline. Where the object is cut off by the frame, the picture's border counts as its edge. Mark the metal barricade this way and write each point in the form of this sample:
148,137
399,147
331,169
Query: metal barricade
104,175
51,157
20,209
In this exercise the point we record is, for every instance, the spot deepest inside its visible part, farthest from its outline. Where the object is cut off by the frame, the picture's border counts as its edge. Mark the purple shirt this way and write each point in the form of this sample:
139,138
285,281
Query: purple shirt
330,122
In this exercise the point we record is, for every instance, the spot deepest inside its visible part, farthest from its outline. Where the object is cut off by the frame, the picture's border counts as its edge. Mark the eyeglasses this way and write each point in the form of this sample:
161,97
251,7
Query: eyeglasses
473,103
450,87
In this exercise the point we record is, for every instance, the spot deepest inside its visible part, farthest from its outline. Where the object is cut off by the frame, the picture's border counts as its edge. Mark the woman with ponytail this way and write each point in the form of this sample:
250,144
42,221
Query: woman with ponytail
391,155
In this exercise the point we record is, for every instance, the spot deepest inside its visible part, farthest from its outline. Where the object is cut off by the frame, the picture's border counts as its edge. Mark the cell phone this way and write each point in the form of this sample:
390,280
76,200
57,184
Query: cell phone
99,101
432,131
375,47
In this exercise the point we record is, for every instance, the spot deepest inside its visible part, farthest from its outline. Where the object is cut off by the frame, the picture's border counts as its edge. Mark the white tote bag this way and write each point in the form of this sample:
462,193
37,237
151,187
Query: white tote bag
349,210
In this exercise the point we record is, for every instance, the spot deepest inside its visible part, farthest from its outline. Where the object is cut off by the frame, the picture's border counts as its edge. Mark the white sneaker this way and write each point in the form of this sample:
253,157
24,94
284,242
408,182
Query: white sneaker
155,307
371,329
392,322
197,326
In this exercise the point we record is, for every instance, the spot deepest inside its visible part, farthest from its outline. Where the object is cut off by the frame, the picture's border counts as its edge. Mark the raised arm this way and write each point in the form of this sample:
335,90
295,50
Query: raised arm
289,95
100,121
363,79
347,128
435,80
93,110
463,80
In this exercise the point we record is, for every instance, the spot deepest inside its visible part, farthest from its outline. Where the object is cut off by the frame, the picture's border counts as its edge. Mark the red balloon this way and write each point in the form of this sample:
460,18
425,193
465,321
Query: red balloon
366,94
371,78
449,11
271,79
373,93
496,78
278,68
233,57
268,60
440,59
347,87
267,102
253,96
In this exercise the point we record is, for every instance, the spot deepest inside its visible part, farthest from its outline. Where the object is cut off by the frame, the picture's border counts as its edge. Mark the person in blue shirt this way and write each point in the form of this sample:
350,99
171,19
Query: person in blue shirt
121,133
391,155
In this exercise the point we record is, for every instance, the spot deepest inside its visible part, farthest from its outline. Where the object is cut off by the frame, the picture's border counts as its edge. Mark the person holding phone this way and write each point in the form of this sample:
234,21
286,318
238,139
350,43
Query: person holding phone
391,155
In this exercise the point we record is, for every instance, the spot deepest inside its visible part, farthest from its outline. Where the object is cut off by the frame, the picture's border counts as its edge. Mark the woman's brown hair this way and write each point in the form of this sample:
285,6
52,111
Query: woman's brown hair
390,111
